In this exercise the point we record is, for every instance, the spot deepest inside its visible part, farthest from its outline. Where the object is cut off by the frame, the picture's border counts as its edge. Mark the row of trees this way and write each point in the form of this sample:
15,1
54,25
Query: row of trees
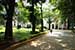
67,11
62,10
9,7
23,14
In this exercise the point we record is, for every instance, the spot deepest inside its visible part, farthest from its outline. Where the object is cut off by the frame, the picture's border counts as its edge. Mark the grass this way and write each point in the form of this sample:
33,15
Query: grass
18,34
2,29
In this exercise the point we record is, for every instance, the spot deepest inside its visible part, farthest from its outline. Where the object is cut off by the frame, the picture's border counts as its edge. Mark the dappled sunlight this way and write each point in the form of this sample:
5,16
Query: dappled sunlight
46,47
59,34
55,34
36,43
59,40
63,45
55,40
25,22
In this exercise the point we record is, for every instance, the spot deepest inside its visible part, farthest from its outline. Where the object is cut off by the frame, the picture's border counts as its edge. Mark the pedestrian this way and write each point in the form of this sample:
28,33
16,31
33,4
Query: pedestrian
51,30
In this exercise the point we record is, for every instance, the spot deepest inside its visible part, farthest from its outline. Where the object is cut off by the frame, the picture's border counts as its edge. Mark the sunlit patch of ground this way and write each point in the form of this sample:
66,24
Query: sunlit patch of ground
63,45
58,34
36,43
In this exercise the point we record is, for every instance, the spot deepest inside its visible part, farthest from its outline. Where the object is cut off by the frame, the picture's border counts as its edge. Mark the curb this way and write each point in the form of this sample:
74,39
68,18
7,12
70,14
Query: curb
19,44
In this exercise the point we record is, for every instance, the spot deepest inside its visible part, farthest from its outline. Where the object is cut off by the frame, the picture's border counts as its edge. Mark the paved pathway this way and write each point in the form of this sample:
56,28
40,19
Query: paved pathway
57,40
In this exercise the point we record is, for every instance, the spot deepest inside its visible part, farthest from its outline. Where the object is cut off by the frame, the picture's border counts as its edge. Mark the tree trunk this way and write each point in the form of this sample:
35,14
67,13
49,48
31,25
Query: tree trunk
41,19
72,24
10,11
49,22
33,25
41,25
8,31
33,17
68,27
49,26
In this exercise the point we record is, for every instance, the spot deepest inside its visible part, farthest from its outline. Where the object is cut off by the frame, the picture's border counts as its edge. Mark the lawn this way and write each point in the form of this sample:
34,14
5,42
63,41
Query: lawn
18,34
22,33
2,30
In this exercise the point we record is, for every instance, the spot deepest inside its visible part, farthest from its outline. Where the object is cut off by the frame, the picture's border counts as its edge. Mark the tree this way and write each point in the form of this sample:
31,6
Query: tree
47,12
1,15
33,17
22,13
9,7
41,14
67,9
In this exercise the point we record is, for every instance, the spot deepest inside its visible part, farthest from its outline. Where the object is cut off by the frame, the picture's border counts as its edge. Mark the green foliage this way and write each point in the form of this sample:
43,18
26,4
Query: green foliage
1,20
2,28
23,13
62,9
36,1
1,15
67,9
54,2
19,34
22,34
1,8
